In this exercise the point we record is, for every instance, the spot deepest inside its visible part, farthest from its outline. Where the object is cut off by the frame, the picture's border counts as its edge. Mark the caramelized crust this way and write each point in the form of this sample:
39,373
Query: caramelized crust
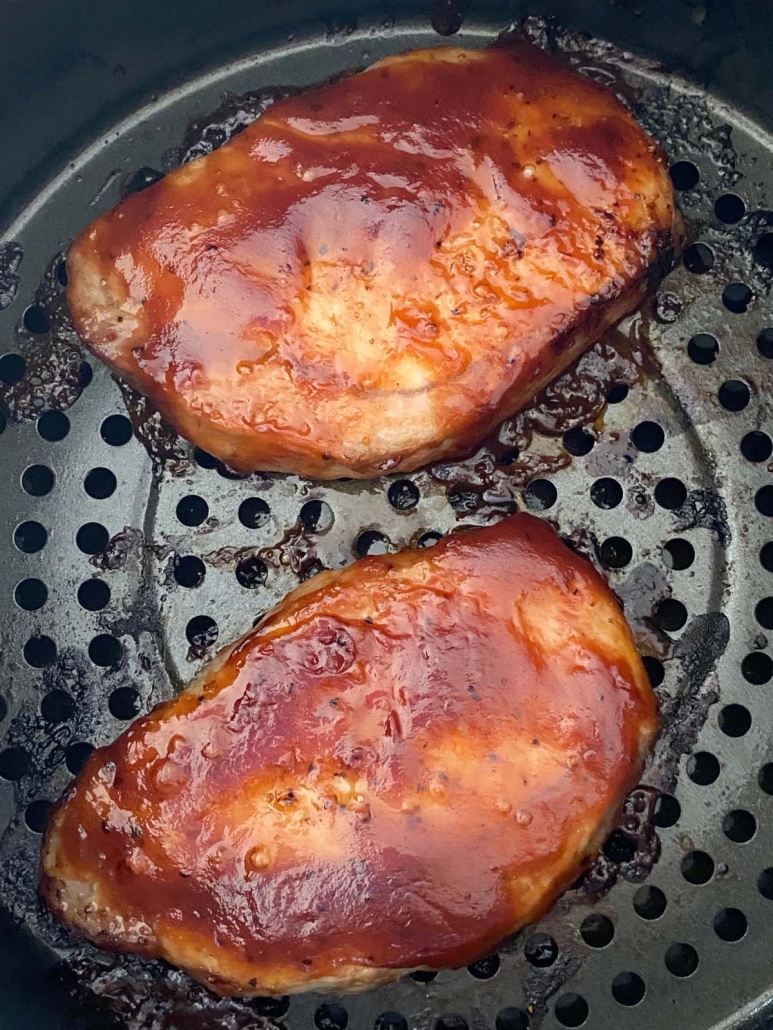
378,271
405,762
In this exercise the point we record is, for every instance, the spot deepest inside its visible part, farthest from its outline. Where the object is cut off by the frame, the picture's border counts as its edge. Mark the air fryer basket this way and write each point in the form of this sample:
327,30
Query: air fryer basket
127,558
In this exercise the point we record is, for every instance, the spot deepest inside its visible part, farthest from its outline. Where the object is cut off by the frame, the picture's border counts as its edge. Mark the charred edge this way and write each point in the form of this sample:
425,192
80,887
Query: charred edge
666,254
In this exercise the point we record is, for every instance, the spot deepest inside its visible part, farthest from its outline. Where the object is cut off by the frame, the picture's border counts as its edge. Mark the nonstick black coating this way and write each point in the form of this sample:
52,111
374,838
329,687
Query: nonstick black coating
67,73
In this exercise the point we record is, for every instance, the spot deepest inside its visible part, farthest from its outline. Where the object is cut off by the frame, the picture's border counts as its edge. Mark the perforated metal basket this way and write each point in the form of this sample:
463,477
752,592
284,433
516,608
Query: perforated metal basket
127,560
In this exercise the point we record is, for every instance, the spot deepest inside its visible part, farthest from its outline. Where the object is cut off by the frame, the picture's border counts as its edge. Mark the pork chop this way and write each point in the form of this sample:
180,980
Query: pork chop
378,271
405,762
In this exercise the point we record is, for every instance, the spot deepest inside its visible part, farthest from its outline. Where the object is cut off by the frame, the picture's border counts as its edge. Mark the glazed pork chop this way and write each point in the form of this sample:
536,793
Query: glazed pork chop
378,271
405,762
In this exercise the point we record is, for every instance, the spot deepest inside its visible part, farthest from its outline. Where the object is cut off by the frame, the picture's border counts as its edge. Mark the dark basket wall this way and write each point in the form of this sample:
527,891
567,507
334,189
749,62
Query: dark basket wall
68,70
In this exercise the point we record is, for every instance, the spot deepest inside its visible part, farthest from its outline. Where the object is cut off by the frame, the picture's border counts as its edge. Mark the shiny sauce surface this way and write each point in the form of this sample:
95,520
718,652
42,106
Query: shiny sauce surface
377,270
405,762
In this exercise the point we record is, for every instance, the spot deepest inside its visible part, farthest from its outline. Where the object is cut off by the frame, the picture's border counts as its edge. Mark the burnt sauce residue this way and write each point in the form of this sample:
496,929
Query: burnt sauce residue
235,113
54,370
539,985
527,446
123,991
294,552
122,548
645,585
697,651
163,443
11,256
630,851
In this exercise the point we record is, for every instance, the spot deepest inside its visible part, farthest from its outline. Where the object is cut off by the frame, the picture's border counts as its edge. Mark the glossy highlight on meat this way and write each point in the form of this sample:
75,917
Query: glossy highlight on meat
405,762
379,270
